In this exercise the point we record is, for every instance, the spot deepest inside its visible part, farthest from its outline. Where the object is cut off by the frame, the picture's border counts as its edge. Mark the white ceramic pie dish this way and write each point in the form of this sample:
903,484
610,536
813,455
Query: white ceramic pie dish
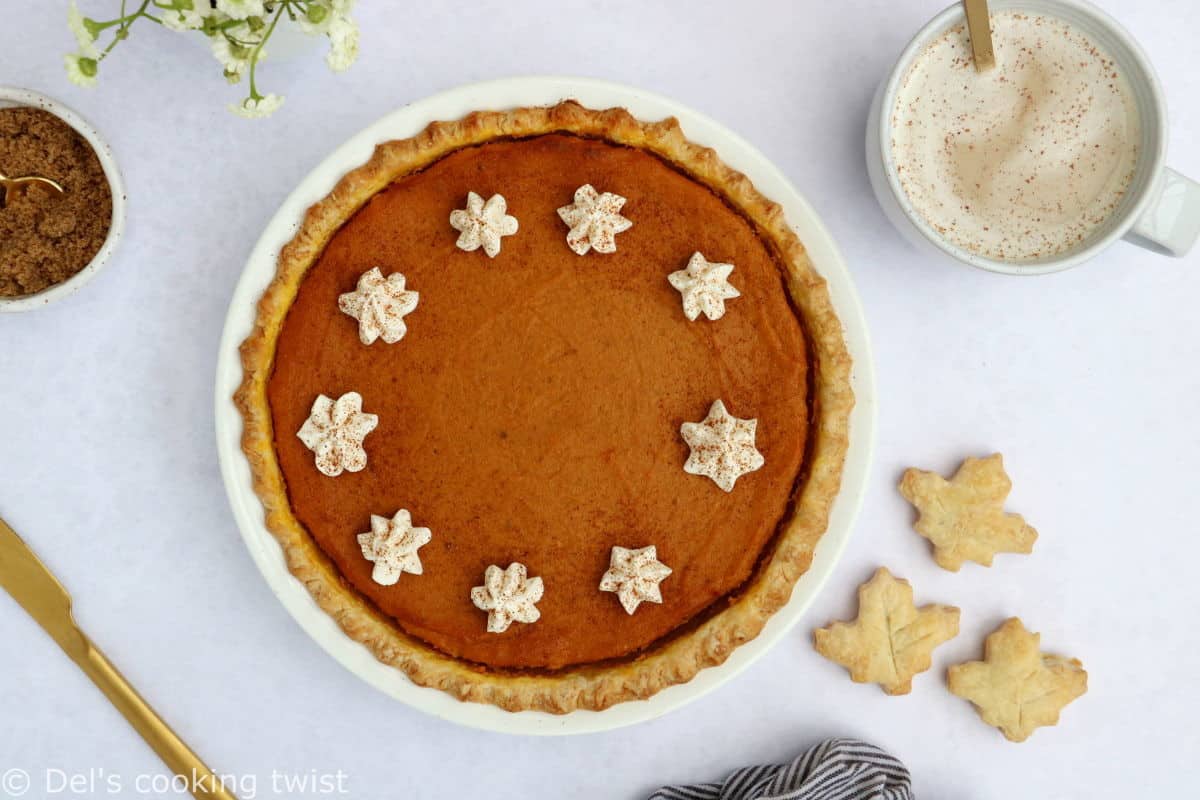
454,104
12,97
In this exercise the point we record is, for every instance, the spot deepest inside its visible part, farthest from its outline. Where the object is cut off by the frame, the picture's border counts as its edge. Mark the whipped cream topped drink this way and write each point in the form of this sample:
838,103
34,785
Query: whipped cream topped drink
1023,161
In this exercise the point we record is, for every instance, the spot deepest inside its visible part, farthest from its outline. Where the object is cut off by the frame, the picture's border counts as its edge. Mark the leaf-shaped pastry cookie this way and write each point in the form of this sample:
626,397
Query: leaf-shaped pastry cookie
892,639
1017,687
964,517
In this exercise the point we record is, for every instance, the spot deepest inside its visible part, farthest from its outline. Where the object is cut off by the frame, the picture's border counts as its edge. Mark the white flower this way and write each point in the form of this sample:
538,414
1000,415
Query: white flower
482,224
250,108
322,13
186,15
334,431
595,220
241,9
235,58
236,48
722,446
87,42
343,44
318,19
81,70
704,286
379,306
508,596
635,575
332,18
392,545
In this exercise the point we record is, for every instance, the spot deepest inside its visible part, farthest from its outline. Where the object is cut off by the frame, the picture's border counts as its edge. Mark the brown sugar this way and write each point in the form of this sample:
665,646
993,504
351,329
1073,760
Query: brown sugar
46,237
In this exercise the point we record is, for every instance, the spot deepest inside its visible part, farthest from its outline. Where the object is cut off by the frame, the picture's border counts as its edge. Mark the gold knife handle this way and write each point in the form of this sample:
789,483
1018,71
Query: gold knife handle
204,784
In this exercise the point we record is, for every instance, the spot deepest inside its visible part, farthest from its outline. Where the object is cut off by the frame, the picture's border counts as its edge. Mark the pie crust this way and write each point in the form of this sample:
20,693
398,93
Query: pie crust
677,659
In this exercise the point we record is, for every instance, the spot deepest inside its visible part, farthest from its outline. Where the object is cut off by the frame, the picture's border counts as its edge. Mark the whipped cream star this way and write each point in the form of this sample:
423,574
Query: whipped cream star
635,575
379,305
704,286
722,446
508,596
482,224
335,430
595,220
392,545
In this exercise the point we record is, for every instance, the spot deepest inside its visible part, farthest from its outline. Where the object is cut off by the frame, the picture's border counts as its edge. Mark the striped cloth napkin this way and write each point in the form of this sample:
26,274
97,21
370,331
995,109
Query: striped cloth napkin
835,769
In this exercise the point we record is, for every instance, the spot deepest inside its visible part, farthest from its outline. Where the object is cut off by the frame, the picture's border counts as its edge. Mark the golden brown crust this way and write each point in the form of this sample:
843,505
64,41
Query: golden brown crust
964,517
1018,688
891,640
675,661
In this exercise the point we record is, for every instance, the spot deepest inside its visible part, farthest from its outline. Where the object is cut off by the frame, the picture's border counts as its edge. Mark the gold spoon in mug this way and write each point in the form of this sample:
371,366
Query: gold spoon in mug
980,30
7,184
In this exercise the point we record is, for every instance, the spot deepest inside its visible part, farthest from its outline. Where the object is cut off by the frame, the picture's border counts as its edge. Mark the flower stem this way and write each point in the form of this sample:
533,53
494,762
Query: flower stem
102,25
258,50
125,21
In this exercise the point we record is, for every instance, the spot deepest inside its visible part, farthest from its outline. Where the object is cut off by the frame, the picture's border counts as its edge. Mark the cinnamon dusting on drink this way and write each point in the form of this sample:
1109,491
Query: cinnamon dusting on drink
1027,160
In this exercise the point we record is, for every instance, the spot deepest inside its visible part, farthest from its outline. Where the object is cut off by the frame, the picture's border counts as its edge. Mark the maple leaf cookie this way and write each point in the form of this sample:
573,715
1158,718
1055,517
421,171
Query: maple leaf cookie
892,640
1018,688
964,517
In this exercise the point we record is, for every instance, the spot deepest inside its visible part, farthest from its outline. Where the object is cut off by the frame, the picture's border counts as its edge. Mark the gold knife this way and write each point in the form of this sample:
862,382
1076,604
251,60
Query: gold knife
26,578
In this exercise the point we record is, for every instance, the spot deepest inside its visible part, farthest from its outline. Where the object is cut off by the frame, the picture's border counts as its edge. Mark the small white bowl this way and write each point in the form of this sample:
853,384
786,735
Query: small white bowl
12,97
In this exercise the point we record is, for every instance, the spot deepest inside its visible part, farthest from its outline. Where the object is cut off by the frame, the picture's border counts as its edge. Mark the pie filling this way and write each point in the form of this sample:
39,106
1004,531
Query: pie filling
531,413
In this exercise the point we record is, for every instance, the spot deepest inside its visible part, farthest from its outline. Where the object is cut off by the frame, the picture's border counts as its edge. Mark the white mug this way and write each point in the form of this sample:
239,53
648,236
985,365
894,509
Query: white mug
1161,208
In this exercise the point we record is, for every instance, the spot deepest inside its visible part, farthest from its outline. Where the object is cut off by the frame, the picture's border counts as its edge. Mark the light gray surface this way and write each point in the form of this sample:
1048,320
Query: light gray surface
1087,381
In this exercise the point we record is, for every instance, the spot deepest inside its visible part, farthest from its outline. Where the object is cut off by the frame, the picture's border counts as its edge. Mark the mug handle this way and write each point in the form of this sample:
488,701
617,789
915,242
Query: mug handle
1171,223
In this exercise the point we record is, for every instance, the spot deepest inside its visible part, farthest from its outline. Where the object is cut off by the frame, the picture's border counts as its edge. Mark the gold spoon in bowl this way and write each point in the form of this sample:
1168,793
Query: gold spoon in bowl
7,184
